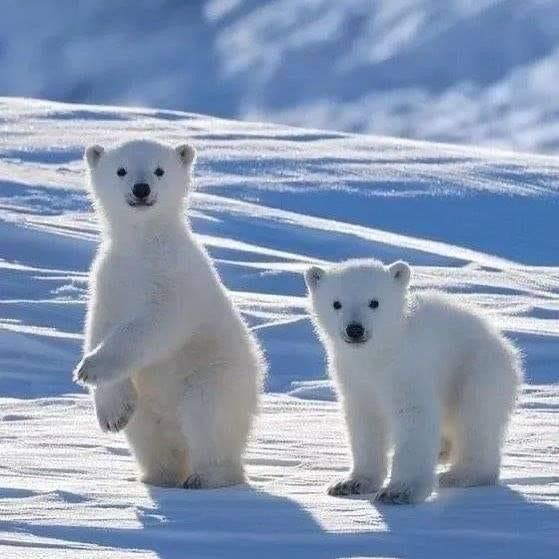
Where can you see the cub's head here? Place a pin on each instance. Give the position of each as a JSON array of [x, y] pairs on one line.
[[359, 303], [139, 179]]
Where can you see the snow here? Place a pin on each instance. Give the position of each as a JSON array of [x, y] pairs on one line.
[[466, 71], [477, 222], [67, 488]]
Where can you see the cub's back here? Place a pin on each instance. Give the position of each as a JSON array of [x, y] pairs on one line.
[[447, 330]]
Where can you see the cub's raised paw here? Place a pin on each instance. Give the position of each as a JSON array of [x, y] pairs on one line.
[[80, 375], [115, 404], [113, 421], [352, 486], [404, 494], [91, 370]]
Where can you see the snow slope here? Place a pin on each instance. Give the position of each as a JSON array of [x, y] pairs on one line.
[[270, 200], [472, 71]]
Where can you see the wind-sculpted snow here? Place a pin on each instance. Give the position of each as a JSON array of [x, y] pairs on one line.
[[466, 71], [269, 201]]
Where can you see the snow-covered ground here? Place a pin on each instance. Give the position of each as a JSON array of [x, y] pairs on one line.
[[470, 71], [270, 199]]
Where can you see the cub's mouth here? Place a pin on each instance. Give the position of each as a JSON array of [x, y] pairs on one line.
[[354, 341], [135, 202]]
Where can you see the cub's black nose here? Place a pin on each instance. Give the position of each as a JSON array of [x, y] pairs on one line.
[[355, 331], [141, 190]]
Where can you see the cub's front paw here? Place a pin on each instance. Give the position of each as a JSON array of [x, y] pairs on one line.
[[93, 369], [404, 493], [353, 486], [115, 404]]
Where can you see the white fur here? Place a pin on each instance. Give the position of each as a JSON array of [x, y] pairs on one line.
[[433, 377], [168, 354]]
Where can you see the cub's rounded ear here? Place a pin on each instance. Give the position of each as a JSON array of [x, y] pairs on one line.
[[186, 153], [93, 154], [313, 276], [400, 272]]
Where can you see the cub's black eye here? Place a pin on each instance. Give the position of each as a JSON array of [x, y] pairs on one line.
[[373, 304], [159, 172], [337, 305], [121, 172]]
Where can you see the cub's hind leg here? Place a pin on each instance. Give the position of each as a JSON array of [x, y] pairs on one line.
[[485, 405], [216, 417], [159, 447]]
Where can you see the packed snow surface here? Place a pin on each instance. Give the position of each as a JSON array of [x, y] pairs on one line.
[[270, 200]]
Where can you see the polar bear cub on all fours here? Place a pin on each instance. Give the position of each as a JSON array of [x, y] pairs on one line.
[[166, 352], [418, 372]]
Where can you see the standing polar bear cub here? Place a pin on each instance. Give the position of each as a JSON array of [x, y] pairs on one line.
[[418, 372], [167, 354]]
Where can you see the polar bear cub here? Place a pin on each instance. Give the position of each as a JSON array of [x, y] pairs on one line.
[[415, 371], [166, 354]]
